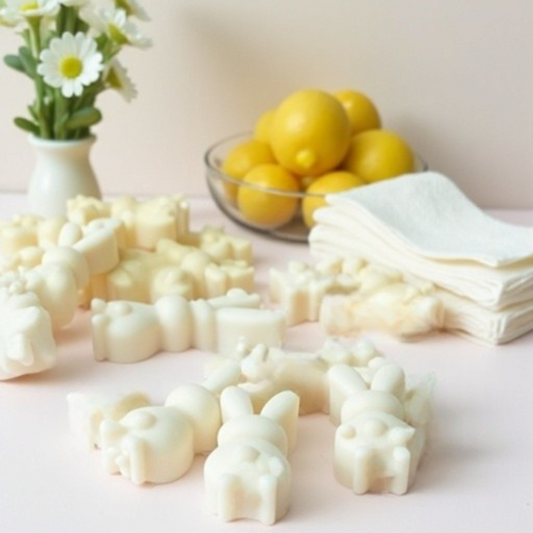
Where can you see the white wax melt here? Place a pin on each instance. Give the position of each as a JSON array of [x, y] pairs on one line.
[[128, 332], [248, 475], [349, 296]]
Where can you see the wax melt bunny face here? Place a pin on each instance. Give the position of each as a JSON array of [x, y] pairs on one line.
[[150, 444], [26, 342], [248, 475], [124, 331], [254, 475], [372, 453]]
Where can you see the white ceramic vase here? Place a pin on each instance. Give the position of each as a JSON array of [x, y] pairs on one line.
[[62, 171]]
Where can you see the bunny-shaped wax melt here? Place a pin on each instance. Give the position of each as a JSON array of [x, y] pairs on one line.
[[157, 444], [348, 296], [151, 444], [382, 431], [87, 411], [248, 475], [128, 332], [26, 342]]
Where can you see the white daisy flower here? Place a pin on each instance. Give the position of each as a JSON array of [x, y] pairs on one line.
[[6, 17], [71, 62], [132, 9], [18, 10], [117, 78], [115, 23]]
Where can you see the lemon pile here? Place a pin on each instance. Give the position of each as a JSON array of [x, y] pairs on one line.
[[313, 142]]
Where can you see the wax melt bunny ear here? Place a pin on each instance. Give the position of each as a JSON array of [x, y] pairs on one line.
[[225, 375], [283, 408], [389, 378], [72, 259], [343, 382], [235, 402], [200, 406]]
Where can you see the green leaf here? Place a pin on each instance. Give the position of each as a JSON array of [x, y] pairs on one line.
[[33, 113], [14, 62], [26, 125], [28, 61], [84, 118], [82, 26]]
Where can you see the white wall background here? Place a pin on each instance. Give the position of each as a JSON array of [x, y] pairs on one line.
[[455, 77]]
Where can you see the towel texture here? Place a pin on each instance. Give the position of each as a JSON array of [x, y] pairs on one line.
[[430, 216], [424, 226], [389, 225], [464, 317]]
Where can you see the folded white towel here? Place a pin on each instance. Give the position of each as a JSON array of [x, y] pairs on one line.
[[422, 225], [464, 317], [428, 214]]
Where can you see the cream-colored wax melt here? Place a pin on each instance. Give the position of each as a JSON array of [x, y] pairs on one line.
[[300, 290], [63, 272], [127, 332], [157, 444], [248, 474], [172, 268], [26, 342], [383, 302], [151, 444], [24, 231], [62, 263], [383, 429], [266, 370], [87, 411], [219, 245], [34, 303], [348, 382], [349, 296], [135, 250], [97, 243], [54, 286], [145, 223], [39, 300], [244, 415], [200, 404]]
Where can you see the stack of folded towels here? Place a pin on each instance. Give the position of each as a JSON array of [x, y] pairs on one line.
[[424, 226]]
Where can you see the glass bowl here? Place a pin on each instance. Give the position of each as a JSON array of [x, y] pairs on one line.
[[220, 183]]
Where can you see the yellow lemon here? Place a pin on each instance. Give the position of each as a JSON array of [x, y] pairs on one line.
[[377, 155], [263, 126], [305, 181], [328, 183], [310, 132], [241, 159], [361, 111], [263, 207]]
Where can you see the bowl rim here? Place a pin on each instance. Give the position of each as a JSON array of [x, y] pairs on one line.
[[211, 165], [222, 176]]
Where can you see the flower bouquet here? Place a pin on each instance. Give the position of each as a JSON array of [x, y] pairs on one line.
[[70, 53]]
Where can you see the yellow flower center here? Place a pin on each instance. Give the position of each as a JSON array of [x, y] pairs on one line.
[[70, 67], [29, 6], [113, 79], [117, 35]]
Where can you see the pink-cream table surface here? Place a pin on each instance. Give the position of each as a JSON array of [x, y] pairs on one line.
[[477, 474]]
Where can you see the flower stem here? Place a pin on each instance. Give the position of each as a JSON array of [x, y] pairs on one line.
[[60, 111], [71, 20], [34, 24]]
